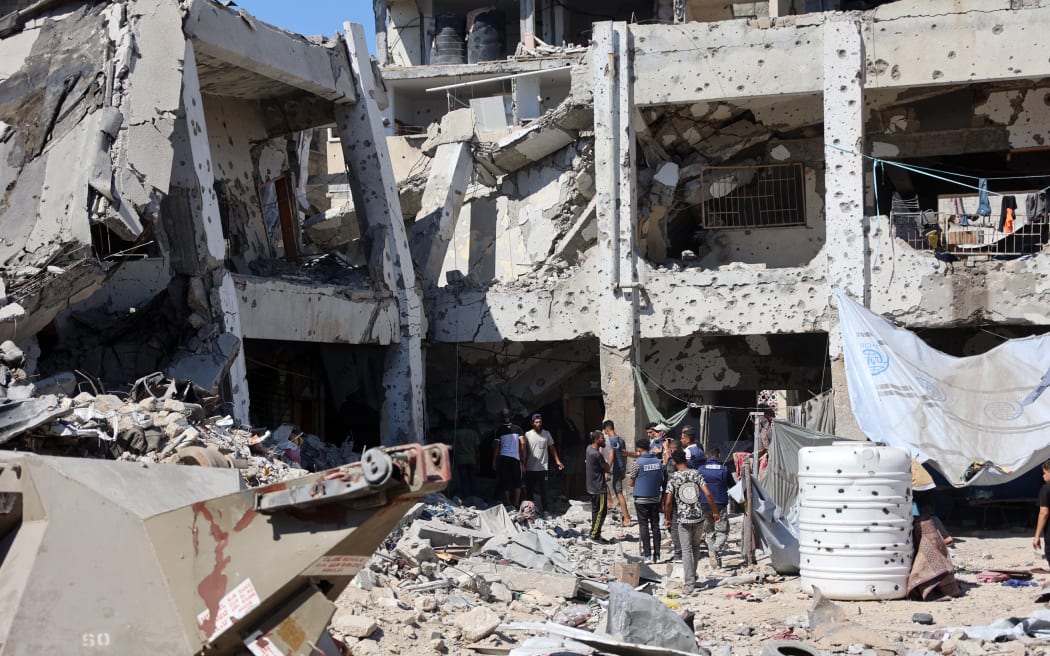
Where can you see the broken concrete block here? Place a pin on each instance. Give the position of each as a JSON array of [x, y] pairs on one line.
[[20, 391], [443, 534], [457, 125], [579, 512], [12, 312], [501, 592], [197, 297], [478, 624], [520, 579], [415, 549], [357, 626], [365, 579], [174, 426]]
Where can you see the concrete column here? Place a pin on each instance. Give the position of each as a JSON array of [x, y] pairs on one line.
[[528, 23], [429, 31], [376, 202], [405, 45], [382, 53], [547, 12], [615, 183], [559, 25], [210, 242], [778, 8], [844, 182], [442, 199]]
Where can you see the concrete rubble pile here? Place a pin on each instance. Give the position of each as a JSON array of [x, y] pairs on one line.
[[456, 579], [159, 420], [463, 580]]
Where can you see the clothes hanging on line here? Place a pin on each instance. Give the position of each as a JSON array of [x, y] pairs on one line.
[[984, 208], [1006, 217]]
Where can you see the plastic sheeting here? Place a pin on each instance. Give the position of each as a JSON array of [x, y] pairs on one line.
[[818, 413], [780, 477], [652, 413], [780, 538], [979, 420]]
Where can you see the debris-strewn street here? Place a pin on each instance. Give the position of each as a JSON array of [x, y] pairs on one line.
[[456, 580]]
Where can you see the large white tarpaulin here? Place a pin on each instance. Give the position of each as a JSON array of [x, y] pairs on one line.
[[949, 412]]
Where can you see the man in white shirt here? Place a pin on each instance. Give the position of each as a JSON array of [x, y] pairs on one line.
[[539, 448]]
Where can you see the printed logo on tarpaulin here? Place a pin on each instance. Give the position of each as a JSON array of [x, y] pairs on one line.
[[932, 389], [1003, 410], [877, 359]]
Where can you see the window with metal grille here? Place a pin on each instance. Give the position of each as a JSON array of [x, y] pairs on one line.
[[766, 196]]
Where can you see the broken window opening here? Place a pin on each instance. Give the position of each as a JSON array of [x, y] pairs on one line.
[[747, 197], [109, 247], [333, 391], [281, 215]]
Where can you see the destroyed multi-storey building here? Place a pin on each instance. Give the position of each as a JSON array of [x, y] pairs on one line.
[[557, 206], [156, 162], [653, 202]]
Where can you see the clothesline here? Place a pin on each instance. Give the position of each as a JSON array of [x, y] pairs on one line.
[[939, 174]]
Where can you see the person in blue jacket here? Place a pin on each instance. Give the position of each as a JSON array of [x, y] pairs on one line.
[[647, 478], [694, 453], [716, 532]]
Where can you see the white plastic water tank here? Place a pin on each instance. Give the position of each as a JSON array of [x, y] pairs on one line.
[[855, 520]]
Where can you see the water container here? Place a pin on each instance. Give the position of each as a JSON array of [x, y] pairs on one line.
[[855, 520], [450, 47], [487, 36]]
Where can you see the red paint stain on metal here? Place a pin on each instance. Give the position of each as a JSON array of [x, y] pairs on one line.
[[276, 487], [245, 521], [212, 587]]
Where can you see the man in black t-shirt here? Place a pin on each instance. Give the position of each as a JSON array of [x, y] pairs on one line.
[[1041, 525], [596, 467]]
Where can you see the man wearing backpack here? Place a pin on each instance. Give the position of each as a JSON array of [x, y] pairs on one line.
[[686, 491]]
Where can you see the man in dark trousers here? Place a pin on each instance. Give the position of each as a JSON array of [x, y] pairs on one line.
[[1042, 524], [539, 448], [508, 459], [716, 532], [647, 477], [596, 469]]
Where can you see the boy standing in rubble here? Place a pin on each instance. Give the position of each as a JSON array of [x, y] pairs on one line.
[[616, 456], [1042, 524], [686, 492]]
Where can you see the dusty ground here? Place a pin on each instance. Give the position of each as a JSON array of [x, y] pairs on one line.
[[433, 621]]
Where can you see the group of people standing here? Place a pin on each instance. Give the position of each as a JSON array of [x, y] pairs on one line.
[[672, 478], [523, 457]]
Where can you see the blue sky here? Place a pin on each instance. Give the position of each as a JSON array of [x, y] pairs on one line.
[[315, 16]]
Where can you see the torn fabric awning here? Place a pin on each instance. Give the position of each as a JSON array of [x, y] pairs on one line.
[[979, 420]]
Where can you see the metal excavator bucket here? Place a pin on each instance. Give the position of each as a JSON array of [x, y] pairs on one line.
[[101, 557]]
